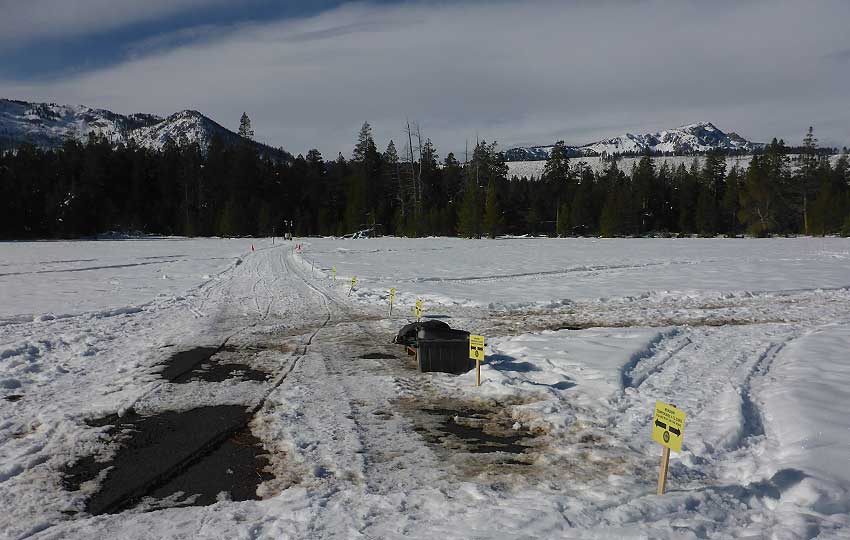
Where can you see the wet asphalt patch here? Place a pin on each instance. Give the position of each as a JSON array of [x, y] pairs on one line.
[[377, 356], [236, 467], [171, 449], [183, 362], [179, 458], [218, 372], [211, 364], [470, 427], [484, 432]]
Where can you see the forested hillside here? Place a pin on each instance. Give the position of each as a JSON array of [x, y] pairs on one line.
[[83, 189]]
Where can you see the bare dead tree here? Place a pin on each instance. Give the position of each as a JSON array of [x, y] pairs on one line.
[[414, 180], [419, 178]]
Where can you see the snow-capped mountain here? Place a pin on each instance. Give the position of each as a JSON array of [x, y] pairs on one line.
[[699, 137], [47, 125]]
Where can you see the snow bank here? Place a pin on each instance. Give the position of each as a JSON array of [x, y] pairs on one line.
[[806, 411]]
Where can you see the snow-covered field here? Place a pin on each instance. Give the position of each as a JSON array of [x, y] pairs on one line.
[[534, 169], [749, 337]]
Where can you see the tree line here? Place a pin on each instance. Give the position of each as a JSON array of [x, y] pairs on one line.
[[83, 189]]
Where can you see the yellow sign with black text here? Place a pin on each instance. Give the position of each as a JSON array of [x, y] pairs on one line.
[[668, 426], [476, 347]]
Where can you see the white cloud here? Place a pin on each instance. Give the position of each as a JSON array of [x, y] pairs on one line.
[[25, 21], [529, 72]]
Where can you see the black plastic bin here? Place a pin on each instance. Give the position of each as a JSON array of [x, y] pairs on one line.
[[409, 332], [444, 350]]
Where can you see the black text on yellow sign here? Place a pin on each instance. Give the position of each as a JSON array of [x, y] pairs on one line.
[[418, 309], [476, 348], [668, 426]]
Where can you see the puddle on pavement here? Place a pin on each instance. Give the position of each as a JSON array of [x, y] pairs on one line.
[[184, 361], [484, 432], [213, 364], [377, 356], [184, 458], [218, 372]]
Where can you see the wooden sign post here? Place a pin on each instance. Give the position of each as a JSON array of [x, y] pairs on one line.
[[392, 299], [668, 430], [662, 472], [476, 352], [353, 283]]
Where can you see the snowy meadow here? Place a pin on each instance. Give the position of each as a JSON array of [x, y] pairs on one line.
[[748, 336]]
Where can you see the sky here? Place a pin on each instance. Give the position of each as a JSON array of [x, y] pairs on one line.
[[309, 73]]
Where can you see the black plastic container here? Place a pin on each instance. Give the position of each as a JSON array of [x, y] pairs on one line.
[[409, 332], [444, 350]]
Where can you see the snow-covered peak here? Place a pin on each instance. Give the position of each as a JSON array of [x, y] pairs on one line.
[[686, 139], [48, 125]]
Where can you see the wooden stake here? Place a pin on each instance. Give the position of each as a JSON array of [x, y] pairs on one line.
[[478, 373], [662, 474]]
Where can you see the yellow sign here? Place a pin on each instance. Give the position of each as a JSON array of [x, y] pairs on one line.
[[353, 282], [392, 294], [418, 309], [333, 271], [668, 426], [476, 347]]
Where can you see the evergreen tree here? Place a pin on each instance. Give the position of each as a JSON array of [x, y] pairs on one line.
[[245, 129], [758, 199], [729, 205], [710, 192], [562, 222], [648, 198], [492, 212], [469, 216], [364, 144], [557, 166], [616, 218], [807, 181], [583, 217]]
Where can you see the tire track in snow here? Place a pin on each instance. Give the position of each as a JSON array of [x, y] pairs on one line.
[[753, 424], [656, 353]]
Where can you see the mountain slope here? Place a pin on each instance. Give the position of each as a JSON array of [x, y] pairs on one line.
[[47, 125], [687, 139]]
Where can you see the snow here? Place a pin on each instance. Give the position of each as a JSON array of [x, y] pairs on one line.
[[104, 275], [514, 273], [48, 125], [534, 169], [748, 336]]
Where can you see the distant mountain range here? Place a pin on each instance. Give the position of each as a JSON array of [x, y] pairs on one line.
[[47, 125], [688, 139]]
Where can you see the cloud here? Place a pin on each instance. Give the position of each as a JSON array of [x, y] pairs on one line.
[[30, 20], [530, 72]]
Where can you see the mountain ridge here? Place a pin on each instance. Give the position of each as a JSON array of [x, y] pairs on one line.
[[686, 139], [48, 125]]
